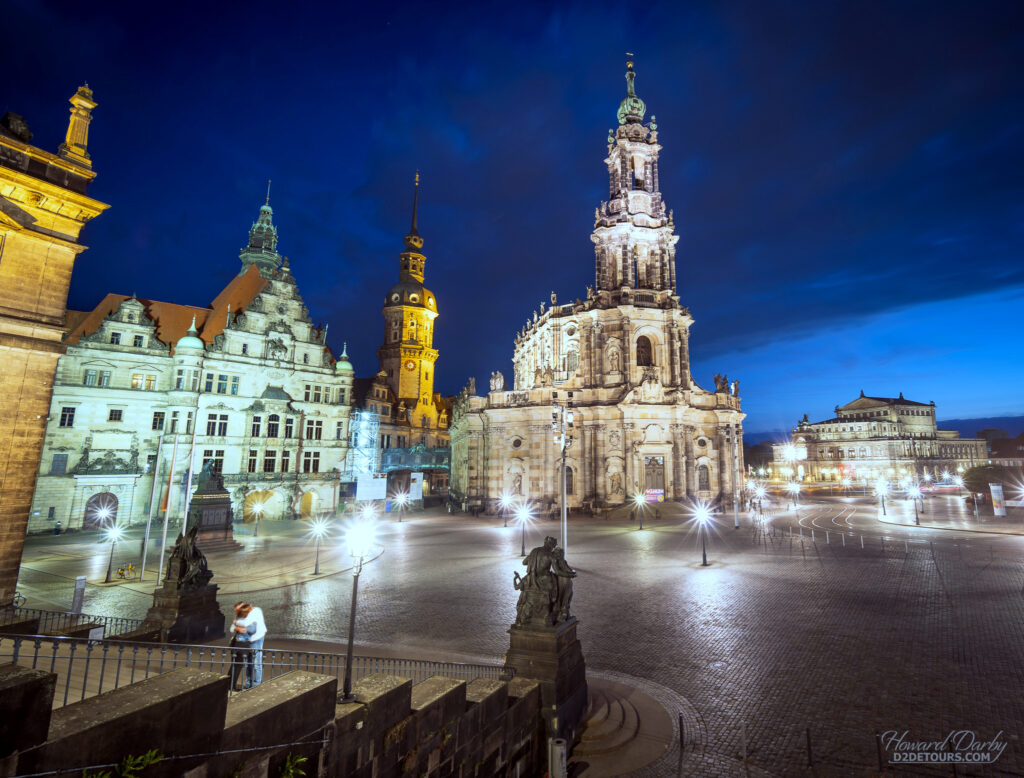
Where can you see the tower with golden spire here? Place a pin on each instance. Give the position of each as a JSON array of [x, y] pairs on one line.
[[407, 356]]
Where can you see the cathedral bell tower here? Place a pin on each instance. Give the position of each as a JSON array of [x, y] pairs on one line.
[[408, 356], [634, 237]]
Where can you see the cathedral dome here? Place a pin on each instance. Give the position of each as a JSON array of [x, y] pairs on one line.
[[411, 292]]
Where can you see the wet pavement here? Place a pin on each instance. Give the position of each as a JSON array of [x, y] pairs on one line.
[[870, 627]]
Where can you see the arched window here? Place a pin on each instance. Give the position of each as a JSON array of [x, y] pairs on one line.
[[703, 478], [273, 424], [570, 481], [644, 351]]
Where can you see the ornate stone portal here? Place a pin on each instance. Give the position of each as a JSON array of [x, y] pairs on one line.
[[543, 642], [186, 605]]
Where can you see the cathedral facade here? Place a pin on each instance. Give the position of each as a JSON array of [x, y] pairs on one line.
[[149, 391], [620, 358]]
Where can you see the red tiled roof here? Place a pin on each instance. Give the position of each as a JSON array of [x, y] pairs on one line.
[[172, 320]]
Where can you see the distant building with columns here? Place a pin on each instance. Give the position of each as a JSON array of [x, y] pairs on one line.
[[621, 359], [876, 437]]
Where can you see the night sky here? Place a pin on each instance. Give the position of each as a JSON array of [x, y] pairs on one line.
[[846, 177]]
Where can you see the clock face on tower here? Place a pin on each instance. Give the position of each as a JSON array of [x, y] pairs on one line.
[[410, 365]]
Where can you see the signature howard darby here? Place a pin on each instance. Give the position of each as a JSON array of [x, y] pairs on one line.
[[959, 746]]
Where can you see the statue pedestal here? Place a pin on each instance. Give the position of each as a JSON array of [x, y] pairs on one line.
[[187, 615], [553, 656]]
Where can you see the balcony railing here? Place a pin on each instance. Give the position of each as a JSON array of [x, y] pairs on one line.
[[85, 668], [57, 622]]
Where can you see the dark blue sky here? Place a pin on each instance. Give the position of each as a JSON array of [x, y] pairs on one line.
[[847, 178]]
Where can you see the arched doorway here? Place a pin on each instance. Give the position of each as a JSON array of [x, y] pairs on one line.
[[100, 511], [309, 504], [259, 505]]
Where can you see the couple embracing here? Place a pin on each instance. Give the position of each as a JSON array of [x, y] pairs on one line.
[[248, 631]]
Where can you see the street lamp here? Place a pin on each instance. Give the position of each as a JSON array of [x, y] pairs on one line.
[[638, 506], [759, 493], [318, 529], [794, 491], [257, 511], [401, 500], [847, 483], [915, 494], [359, 538], [503, 502], [881, 488], [114, 533], [702, 515], [523, 517]]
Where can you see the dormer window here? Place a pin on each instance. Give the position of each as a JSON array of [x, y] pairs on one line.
[[115, 338]]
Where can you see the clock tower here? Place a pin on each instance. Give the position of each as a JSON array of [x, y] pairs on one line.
[[408, 356]]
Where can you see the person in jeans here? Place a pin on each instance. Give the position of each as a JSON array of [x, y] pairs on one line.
[[241, 656], [255, 627]]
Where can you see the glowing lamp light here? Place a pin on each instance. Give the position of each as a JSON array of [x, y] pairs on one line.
[[368, 512], [847, 483], [505, 500], [927, 477], [104, 513], [702, 513], [401, 499], [523, 516], [318, 528], [638, 500], [114, 533], [958, 481], [793, 488], [914, 492], [760, 492], [881, 487], [359, 538], [789, 452], [945, 475]]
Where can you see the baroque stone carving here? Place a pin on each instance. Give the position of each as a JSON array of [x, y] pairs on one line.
[[545, 592]]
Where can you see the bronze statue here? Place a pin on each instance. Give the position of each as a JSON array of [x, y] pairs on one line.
[[545, 592], [187, 565]]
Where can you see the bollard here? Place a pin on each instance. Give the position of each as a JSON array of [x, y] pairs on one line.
[[791, 530], [844, 540], [862, 541], [905, 549], [827, 539], [801, 530], [812, 535], [803, 550]]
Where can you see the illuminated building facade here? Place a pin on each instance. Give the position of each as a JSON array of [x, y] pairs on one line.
[[413, 418], [246, 383], [876, 437], [621, 357], [43, 207]]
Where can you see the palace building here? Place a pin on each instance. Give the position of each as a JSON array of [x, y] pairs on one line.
[[147, 388], [410, 420], [876, 437], [43, 207], [620, 357]]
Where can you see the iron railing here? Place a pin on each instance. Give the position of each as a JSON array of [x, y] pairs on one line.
[[85, 668], [59, 622]]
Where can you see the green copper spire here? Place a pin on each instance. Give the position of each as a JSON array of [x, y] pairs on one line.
[[413, 241], [632, 108], [262, 248]]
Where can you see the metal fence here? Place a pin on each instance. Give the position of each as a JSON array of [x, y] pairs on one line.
[[85, 668], [58, 622]]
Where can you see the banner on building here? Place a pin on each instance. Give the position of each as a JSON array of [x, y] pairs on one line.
[[371, 486], [416, 486], [654, 495], [998, 501]]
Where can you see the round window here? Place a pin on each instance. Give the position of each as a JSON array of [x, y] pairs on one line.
[[517, 443], [394, 297], [570, 331], [702, 443], [414, 298], [430, 301]]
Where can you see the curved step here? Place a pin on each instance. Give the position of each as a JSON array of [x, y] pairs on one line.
[[614, 739], [597, 708]]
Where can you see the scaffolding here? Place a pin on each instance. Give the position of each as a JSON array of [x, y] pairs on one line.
[[363, 448]]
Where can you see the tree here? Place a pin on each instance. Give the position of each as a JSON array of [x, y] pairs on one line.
[[977, 479]]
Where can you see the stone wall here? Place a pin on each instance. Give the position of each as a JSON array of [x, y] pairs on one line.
[[438, 727]]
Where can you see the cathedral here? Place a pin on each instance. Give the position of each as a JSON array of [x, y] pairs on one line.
[[620, 358]]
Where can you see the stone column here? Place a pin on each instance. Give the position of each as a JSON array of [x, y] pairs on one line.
[[630, 486], [678, 465], [691, 461]]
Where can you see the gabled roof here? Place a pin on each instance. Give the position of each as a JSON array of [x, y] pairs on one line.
[[171, 320], [866, 401]]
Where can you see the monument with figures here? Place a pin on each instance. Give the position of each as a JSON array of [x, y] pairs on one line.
[[186, 605], [543, 642], [210, 511]]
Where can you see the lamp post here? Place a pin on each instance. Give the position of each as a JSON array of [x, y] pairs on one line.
[[503, 502], [794, 492], [915, 495], [318, 529], [759, 493], [523, 516], [881, 487], [401, 500], [639, 505], [702, 515], [113, 535], [562, 425], [359, 538]]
